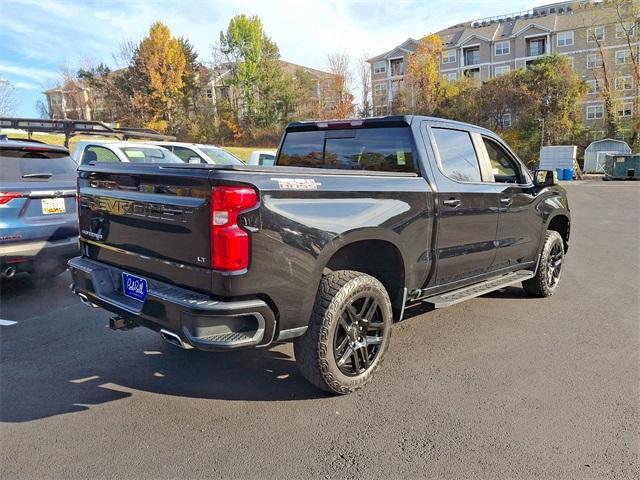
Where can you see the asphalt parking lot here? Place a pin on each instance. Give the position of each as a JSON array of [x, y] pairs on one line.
[[500, 386]]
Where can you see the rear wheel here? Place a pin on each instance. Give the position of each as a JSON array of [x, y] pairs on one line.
[[547, 277], [348, 332]]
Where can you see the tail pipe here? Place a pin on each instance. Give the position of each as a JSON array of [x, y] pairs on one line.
[[174, 339], [9, 272]]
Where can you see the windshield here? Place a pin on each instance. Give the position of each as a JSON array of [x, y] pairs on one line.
[[220, 157], [30, 166], [150, 155]]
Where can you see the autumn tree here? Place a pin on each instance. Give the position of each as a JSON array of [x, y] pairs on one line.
[[159, 66], [423, 80]]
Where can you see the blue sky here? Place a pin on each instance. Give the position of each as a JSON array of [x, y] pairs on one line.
[[38, 37]]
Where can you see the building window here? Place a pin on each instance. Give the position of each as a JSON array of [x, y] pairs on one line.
[[624, 29], [502, 70], [595, 112], [397, 67], [565, 39], [379, 89], [593, 85], [449, 56], [472, 73], [594, 61], [624, 83], [451, 76], [503, 48], [622, 57], [472, 56], [315, 88], [505, 120], [380, 67], [536, 47], [572, 62], [210, 92], [626, 109], [595, 34]]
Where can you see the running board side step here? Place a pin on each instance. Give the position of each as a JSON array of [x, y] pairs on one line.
[[466, 293]]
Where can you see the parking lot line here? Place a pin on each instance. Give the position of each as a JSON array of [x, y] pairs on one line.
[[6, 323]]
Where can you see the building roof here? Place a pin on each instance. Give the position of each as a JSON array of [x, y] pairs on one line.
[[552, 17]]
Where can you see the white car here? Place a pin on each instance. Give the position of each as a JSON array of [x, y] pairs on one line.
[[200, 153], [88, 152], [262, 157]]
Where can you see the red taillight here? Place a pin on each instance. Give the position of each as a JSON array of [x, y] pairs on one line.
[[229, 243], [6, 197]]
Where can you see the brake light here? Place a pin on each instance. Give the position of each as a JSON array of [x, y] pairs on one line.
[[229, 242], [6, 197]]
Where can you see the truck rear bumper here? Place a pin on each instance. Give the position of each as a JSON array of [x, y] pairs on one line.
[[198, 320]]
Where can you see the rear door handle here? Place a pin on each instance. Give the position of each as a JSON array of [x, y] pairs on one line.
[[505, 200], [452, 202]]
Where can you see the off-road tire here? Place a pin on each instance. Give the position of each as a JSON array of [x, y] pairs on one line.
[[539, 286], [314, 351]]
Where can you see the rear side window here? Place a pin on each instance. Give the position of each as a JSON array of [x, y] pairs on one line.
[[97, 154], [25, 166], [266, 159], [380, 149], [457, 156], [150, 155]]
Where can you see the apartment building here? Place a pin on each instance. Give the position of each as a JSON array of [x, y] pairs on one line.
[[322, 95], [490, 47]]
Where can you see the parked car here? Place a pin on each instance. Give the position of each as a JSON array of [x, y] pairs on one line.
[[199, 153], [262, 157], [90, 152], [357, 220], [38, 218]]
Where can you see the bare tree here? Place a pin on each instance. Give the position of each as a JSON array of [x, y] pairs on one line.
[[337, 99], [8, 99], [364, 76]]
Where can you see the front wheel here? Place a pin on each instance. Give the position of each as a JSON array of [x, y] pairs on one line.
[[348, 332], [547, 277]]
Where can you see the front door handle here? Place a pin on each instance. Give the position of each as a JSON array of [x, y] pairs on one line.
[[452, 202], [506, 200]]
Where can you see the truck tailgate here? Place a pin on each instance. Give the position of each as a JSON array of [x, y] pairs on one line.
[[142, 219]]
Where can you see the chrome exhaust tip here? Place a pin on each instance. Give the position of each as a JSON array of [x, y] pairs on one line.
[[174, 339], [9, 272], [84, 299]]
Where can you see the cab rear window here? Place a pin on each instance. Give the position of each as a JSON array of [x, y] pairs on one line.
[[24, 165], [379, 149]]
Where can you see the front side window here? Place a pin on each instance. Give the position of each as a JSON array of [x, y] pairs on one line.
[[221, 157], [150, 155], [381, 149], [458, 159], [97, 154], [503, 167]]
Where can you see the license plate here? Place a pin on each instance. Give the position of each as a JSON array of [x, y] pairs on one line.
[[134, 286], [53, 205]]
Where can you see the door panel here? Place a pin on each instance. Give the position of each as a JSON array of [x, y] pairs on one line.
[[511, 192], [467, 221]]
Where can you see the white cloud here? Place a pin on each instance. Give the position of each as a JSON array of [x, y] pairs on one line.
[[32, 73]]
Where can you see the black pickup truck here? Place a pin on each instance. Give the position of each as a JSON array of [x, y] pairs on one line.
[[357, 220]]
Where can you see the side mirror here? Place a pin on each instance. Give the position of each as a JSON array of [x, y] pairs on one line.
[[194, 160], [545, 178]]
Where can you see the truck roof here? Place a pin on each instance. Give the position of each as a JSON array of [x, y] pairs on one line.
[[375, 122]]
